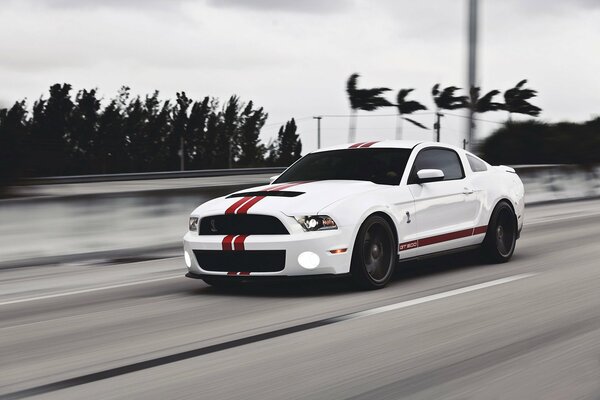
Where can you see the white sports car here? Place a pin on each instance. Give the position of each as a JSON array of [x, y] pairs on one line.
[[358, 209]]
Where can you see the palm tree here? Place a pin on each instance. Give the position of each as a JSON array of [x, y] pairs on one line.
[[362, 99], [515, 100], [482, 104], [446, 100], [406, 107], [485, 103]]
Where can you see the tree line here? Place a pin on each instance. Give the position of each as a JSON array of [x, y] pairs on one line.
[[535, 142], [66, 134], [516, 101]]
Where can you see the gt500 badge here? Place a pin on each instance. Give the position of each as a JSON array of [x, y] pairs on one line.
[[408, 245]]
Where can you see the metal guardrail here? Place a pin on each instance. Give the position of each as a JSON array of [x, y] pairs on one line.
[[203, 173], [206, 173]]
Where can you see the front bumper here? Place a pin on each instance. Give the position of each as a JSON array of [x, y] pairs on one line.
[[320, 243]]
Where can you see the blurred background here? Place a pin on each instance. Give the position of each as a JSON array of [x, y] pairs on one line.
[[118, 118]]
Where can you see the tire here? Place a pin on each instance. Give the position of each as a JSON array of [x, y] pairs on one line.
[[374, 254], [501, 237]]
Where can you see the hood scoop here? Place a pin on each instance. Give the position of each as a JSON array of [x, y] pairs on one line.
[[266, 193]]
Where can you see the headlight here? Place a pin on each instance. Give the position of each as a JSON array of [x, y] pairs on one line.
[[193, 225], [316, 222]]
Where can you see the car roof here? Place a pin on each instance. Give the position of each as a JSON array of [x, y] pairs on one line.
[[399, 144]]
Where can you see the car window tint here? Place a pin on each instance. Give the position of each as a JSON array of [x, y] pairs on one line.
[[383, 166], [446, 160], [476, 164]]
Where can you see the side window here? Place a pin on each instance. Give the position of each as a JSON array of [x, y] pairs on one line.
[[444, 159], [476, 164]]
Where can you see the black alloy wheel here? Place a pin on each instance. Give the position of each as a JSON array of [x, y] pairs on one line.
[[500, 240], [374, 255]]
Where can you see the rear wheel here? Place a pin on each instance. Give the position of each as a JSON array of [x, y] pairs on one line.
[[374, 254], [501, 237]]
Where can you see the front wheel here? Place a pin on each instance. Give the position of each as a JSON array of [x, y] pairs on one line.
[[374, 254], [501, 237]]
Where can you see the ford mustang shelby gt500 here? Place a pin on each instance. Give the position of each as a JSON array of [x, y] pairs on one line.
[[358, 209]]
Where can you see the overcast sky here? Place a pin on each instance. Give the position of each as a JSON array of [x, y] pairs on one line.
[[294, 56]]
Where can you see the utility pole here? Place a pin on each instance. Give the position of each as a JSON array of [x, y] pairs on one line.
[[472, 62], [437, 126], [181, 154], [318, 118]]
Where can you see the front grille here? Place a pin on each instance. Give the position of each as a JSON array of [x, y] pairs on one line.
[[241, 224], [241, 261]]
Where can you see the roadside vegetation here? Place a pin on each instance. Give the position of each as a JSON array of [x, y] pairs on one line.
[[79, 133]]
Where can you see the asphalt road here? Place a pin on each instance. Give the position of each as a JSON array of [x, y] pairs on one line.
[[446, 328]]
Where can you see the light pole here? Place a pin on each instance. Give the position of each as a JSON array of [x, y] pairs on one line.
[[472, 63], [318, 118]]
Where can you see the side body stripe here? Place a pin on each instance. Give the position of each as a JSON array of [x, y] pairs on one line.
[[442, 238]]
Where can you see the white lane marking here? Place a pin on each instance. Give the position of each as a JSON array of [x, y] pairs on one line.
[[550, 219], [51, 296], [437, 296]]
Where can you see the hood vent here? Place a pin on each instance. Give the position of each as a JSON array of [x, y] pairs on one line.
[[266, 193]]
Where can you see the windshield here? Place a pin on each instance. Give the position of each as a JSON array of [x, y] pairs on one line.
[[382, 166]]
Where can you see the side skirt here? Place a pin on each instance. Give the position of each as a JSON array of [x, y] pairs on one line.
[[441, 253]]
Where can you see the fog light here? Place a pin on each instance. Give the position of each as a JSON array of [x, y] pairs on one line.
[[188, 260], [309, 260]]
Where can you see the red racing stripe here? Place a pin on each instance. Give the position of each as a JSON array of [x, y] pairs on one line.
[[232, 273], [237, 204], [368, 144], [226, 243], [244, 273], [355, 145], [244, 208], [238, 242]]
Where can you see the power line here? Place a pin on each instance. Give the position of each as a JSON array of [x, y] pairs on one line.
[[474, 119], [371, 116]]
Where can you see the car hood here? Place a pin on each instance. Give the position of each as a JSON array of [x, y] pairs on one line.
[[294, 198]]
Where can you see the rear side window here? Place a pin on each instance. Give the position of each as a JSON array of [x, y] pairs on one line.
[[476, 164], [444, 159]]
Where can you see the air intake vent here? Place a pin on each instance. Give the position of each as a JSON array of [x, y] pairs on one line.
[[242, 224], [265, 193], [241, 261]]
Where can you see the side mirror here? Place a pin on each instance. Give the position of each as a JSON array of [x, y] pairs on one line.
[[272, 179], [430, 175]]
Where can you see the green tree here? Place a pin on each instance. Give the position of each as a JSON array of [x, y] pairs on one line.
[[516, 100], [13, 135], [362, 99], [51, 133], [251, 151], [288, 147], [406, 107], [534, 142], [197, 129], [226, 146], [178, 156], [445, 99], [111, 151], [83, 124]]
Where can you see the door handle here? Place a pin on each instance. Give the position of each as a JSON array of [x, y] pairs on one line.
[[467, 191]]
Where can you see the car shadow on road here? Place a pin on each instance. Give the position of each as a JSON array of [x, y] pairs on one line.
[[405, 271]]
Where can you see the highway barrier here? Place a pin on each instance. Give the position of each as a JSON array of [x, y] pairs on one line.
[[73, 218]]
